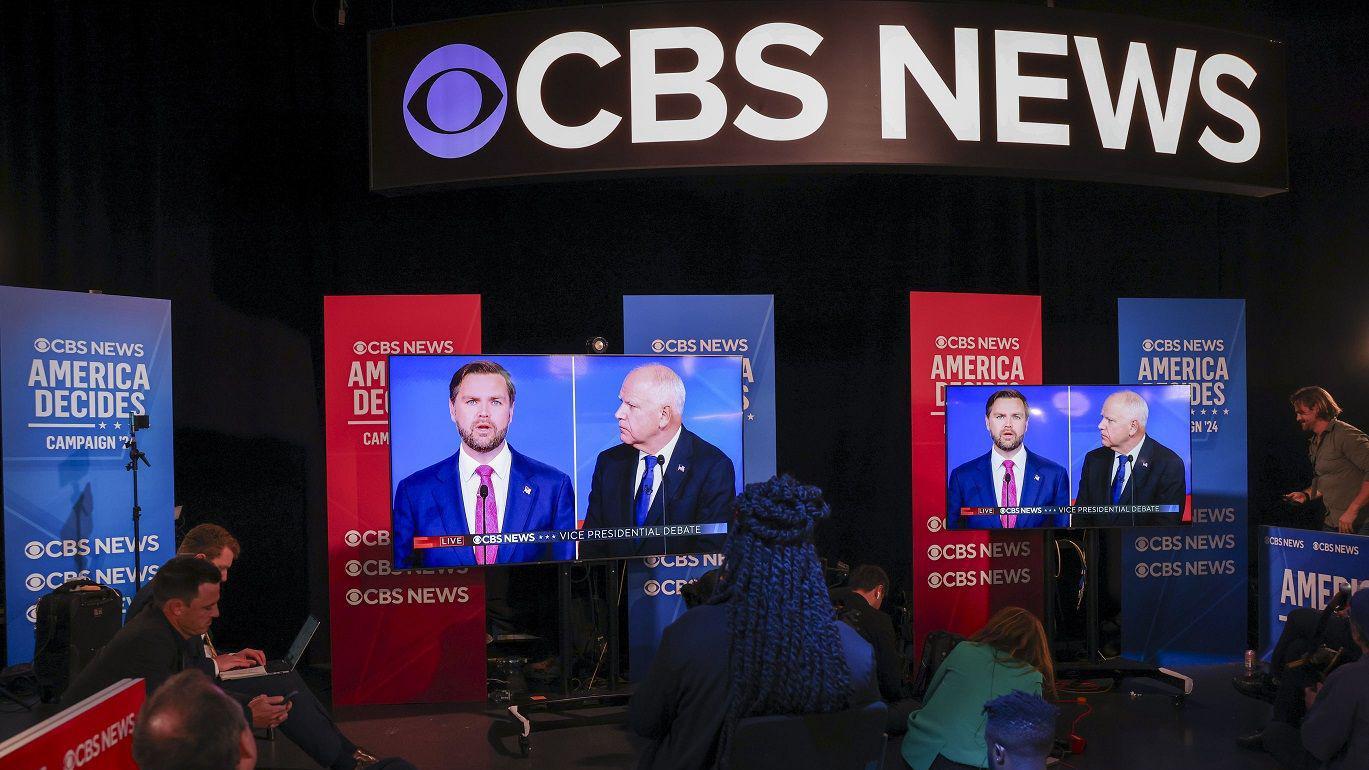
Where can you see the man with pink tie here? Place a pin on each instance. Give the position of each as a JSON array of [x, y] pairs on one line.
[[486, 487], [1008, 475]]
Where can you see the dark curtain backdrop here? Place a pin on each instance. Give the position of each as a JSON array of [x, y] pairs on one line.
[[215, 154]]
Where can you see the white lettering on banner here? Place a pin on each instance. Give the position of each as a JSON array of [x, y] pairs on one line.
[[971, 578], [88, 347], [86, 389], [1314, 589], [1214, 515], [668, 587], [73, 443], [395, 596], [355, 538], [1206, 375], [993, 550], [383, 568], [368, 380], [689, 560], [92, 747], [112, 576], [1195, 568], [86, 546], [1189, 542]]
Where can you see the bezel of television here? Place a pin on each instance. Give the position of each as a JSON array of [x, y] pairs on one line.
[[1063, 475], [564, 443]]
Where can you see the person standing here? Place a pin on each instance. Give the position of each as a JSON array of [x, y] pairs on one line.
[[1339, 453]]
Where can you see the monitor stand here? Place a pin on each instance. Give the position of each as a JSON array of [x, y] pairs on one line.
[[1095, 666]]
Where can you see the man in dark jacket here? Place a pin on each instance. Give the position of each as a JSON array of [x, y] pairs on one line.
[[166, 638], [1335, 733], [859, 605]]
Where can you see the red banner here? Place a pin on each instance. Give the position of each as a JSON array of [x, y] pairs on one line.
[[416, 636], [95, 734], [960, 578]]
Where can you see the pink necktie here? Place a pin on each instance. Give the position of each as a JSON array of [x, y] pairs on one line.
[[1009, 494], [486, 517]]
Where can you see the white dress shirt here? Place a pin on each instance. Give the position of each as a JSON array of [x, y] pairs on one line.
[[470, 486], [1131, 466], [1019, 467], [659, 473]]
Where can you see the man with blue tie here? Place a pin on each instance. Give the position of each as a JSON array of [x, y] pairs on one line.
[[1008, 475], [1130, 468], [661, 474], [486, 487]]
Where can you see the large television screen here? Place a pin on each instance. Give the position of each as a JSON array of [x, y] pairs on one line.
[[518, 459], [1061, 456]]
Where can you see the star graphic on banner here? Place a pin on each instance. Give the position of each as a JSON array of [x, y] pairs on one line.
[[102, 425], [118, 425], [1226, 411]]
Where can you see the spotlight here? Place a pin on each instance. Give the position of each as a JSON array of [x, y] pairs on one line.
[[596, 345]]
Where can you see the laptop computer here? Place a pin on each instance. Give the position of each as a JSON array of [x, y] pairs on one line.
[[285, 665]]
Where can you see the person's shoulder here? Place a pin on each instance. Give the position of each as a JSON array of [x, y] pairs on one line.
[[619, 452], [1099, 451], [533, 467], [429, 475], [1044, 464], [971, 465], [1349, 431], [1354, 675], [1160, 451], [702, 449], [700, 623], [852, 642]]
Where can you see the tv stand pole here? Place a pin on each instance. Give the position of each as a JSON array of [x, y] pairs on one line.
[[611, 697], [1116, 669]]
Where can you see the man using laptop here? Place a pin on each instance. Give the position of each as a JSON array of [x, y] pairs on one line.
[[308, 725]]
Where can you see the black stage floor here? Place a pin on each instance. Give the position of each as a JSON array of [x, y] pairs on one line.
[[1123, 732]]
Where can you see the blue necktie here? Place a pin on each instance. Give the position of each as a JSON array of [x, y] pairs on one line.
[[1119, 480], [643, 502]]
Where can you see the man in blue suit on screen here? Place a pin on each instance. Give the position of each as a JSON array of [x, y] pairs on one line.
[[1008, 475], [486, 487], [632, 487]]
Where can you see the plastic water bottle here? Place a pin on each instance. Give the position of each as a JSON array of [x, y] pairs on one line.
[[1249, 663]]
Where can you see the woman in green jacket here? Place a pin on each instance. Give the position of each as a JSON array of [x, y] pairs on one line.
[[1009, 653]]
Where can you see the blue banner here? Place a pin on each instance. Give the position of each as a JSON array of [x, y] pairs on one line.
[[700, 325], [74, 369], [1184, 588], [1305, 568]]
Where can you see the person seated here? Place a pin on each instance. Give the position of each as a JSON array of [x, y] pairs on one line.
[[1300, 636], [169, 635], [189, 724], [766, 643], [1334, 734], [1020, 731], [1290, 671], [1009, 653], [859, 603]]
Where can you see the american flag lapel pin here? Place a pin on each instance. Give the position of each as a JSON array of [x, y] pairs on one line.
[[1037, 477], [680, 468], [527, 490], [1145, 463]]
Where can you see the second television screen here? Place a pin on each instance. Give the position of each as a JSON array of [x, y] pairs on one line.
[[1046, 456], [516, 459]]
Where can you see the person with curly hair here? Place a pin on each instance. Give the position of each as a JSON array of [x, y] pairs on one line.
[[1009, 653], [767, 643]]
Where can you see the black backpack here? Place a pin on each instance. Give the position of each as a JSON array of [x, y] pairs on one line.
[[935, 648], [74, 623]]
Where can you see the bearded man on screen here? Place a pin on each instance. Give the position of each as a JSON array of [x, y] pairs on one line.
[[486, 487], [1008, 475]]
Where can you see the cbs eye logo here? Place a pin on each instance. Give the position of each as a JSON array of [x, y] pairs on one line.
[[455, 101]]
